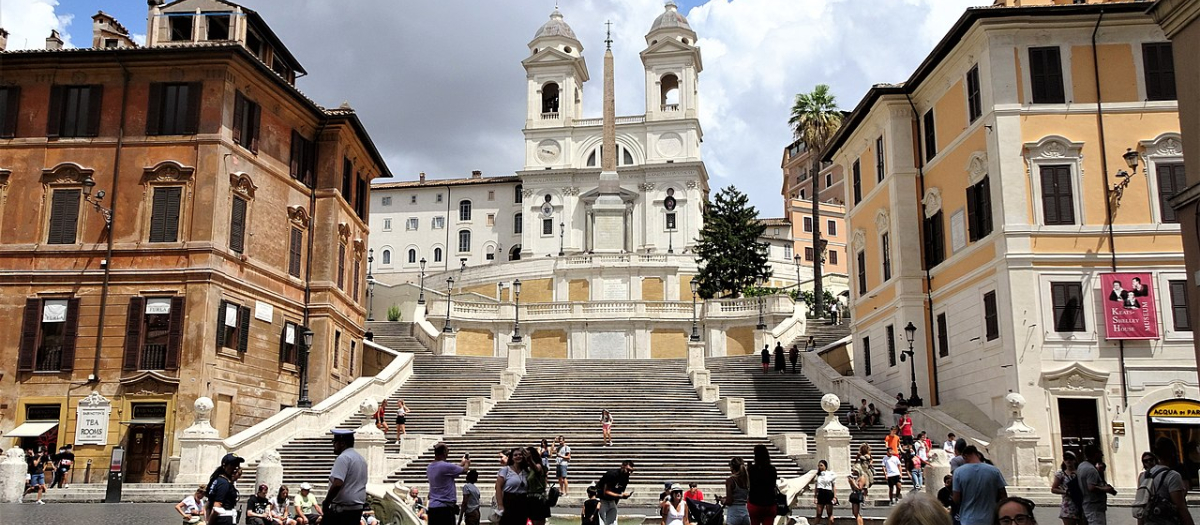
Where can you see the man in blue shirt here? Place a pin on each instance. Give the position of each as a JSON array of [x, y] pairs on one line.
[[443, 497], [978, 487]]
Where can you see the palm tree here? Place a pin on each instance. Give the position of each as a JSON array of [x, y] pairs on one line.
[[815, 118]]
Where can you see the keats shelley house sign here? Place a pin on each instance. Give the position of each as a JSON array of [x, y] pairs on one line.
[[1129, 306]]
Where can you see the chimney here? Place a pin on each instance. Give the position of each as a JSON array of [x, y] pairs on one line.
[[3, 39], [422, 177], [54, 41], [476, 174]]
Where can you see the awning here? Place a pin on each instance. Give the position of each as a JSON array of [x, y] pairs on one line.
[[1176, 420], [146, 421], [31, 429]]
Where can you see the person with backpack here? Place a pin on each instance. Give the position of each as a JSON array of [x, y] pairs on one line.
[[1160, 495], [1095, 490], [1066, 482]]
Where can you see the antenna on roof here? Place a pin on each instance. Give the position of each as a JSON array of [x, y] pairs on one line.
[[608, 38]]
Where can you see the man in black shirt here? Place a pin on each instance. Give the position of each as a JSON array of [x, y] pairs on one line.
[[62, 465], [222, 495], [37, 472], [258, 507], [946, 497], [612, 490]]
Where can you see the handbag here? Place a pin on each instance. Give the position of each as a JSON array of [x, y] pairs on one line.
[[781, 503]]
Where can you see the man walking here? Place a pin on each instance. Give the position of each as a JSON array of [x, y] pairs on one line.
[[564, 461], [794, 357], [62, 466], [978, 488], [343, 504], [612, 490], [1168, 485], [443, 495], [1095, 489]]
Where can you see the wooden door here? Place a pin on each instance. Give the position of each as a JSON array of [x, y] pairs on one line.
[[1079, 423], [143, 457]]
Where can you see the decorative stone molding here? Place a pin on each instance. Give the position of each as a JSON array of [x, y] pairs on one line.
[[570, 191], [526, 193], [693, 184], [1165, 145], [858, 240], [66, 173], [360, 246], [882, 220], [977, 167], [298, 216], [1053, 147], [167, 171], [241, 184], [1178, 389], [344, 232], [646, 186], [1076, 379], [932, 201], [4, 175]]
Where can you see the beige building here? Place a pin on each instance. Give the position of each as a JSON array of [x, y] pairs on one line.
[[1000, 204]]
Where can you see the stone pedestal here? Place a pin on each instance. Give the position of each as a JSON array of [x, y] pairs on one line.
[[12, 475], [200, 447], [510, 379], [709, 393], [753, 426], [608, 215], [1014, 450], [501, 393], [369, 442], [695, 356], [833, 441], [700, 378], [792, 443], [516, 357], [415, 444], [269, 472], [478, 406], [732, 407], [447, 344], [936, 468]]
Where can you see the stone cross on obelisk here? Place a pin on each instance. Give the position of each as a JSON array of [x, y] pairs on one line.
[[609, 209]]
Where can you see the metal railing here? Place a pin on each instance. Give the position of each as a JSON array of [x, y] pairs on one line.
[[49, 359], [154, 357]]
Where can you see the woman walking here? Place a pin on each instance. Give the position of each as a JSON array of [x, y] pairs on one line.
[[511, 487], [1068, 511], [766, 358], [858, 493], [606, 423], [535, 489], [675, 510], [863, 464], [737, 490], [402, 412], [763, 484], [780, 364], [825, 494]]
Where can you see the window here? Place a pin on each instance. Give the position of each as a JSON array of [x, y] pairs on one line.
[[1058, 200], [857, 171], [880, 167], [48, 333], [437, 255], [247, 115], [303, 163], [174, 108], [1170, 182], [439, 222], [808, 253], [387, 257], [489, 253], [10, 97], [943, 335], [181, 27], [974, 102], [1068, 306], [518, 198], [1159, 64], [218, 27], [411, 223], [153, 333], [74, 111], [547, 226], [386, 201], [828, 180], [337, 349], [233, 322], [626, 157], [930, 136], [808, 224], [295, 252], [991, 317], [354, 280], [979, 209], [670, 221], [831, 227], [491, 219], [387, 225], [237, 225], [437, 198], [412, 256], [412, 199], [491, 195], [361, 199], [787, 251], [289, 343], [464, 241], [341, 266], [1179, 306], [833, 257], [347, 178], [803, 195], [64, 216], [862, 272], [464, 210], [1045, 75], [886, 254], [935, 241], [164, 214], [517, 223], [867, 355], [891, 345]]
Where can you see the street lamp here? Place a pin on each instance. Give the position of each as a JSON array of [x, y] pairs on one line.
[[516, 286], [449, 302], [370, 285], [421, 298], [462, 268], [910, 333], [762, 323], [695, 330], [1117, 191], [562, 226], [306, 341], [88, 184], [797, 258]]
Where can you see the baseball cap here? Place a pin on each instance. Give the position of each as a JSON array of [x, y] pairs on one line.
[[232, 459], [306, 486]]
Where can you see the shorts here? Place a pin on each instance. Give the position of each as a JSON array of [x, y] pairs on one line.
[[824, 497], [37, 479], [893, 481], [906, 440], [562, 470], [537, 507], [400, 420]]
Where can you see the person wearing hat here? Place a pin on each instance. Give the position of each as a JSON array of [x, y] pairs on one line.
[[347, 482], [308, 512], [674, 510], [222, 494]]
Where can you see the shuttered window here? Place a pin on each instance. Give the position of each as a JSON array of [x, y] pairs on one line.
[[991, 316], [943, 335], [237, 225], [974, 99], [247, 117], [64, 216], [289, 343], [862, 272], [164, 214], [1058, 197], [347, 179], [867, 355], [233, 326], [74, 111], [1067, 298], [303, 159], [857, 172], [10, 98], [930, 125], [174, 108], [1171, 180], [153, 338], [295, 252], [1159, 63], [354, 282], [1045, 75], [1180, 309], [360, 196], [979, 209], [464, 210], [885, 243], [891, 345], [880, 166], [341, 267], [935, 240], [49, 329]]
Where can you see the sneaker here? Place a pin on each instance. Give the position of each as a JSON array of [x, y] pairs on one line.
[[40, 502]]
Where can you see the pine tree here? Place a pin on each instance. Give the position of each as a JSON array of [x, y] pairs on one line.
[[729, 252]]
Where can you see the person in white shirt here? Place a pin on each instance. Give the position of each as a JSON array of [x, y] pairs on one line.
[[891, 469], [192, 507], [825, 495], [948, 446]]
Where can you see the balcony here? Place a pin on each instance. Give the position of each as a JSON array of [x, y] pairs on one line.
[[550, 116], [670, 108], [154, 357]]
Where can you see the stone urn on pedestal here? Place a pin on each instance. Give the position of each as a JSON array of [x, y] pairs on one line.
[[833, 441], [1015, 447], [369, 441], [200, 447]]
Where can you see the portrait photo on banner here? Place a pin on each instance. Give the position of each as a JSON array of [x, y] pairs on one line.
[[1129, 306]]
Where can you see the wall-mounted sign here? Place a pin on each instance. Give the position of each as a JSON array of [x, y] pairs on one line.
[[54, 311], [264, 311], [158, 306], [1176, 409], [1128, 307], [91, 420]]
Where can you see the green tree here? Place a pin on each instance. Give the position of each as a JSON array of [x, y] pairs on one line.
[[815, 119], [730, 255]]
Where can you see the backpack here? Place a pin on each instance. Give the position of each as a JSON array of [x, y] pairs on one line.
[[1150, 503]]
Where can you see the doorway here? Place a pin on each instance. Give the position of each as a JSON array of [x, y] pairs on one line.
[[1079, 423], [143, 455]]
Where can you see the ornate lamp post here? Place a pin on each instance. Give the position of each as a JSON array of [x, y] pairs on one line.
[[910, 333], [421, 299], [695, 330], [462, 268], [1118, 190], [762, 322], [370, 285], [562, 226], [88, 184], [306, 340], [797, 258], [516, 286], [449, 303], [669, 205]]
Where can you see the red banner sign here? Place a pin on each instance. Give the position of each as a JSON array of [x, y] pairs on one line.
[[1129, 306]]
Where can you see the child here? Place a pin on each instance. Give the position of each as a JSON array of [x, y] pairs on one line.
[[470, 501], [946, 497], [591, 509]]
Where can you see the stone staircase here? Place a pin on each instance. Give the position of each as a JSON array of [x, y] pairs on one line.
[[397, 336], [823, 333]]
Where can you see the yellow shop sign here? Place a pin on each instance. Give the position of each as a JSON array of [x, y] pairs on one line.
[[1179, 408]]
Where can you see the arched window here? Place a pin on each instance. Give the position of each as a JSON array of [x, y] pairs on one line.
[[669, 91], [626, 157], [387, 257], [437, 255], [517, 194], [464, 240], [412, 256], [464, 210], [594, 157], [518, 223], [514, 254], [550, 98]]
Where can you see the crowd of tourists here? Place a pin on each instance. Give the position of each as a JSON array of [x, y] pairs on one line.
[[38, 462]]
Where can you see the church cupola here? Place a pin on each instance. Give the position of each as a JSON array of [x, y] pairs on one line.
[[672, 63], [556, 72]]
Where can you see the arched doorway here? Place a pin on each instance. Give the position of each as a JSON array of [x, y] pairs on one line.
[[514, 254], [1174, 430]]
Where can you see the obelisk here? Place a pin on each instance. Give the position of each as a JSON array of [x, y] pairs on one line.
[[609, 209]]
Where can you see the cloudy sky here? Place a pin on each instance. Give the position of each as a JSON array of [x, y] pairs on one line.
[[440, 86]]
